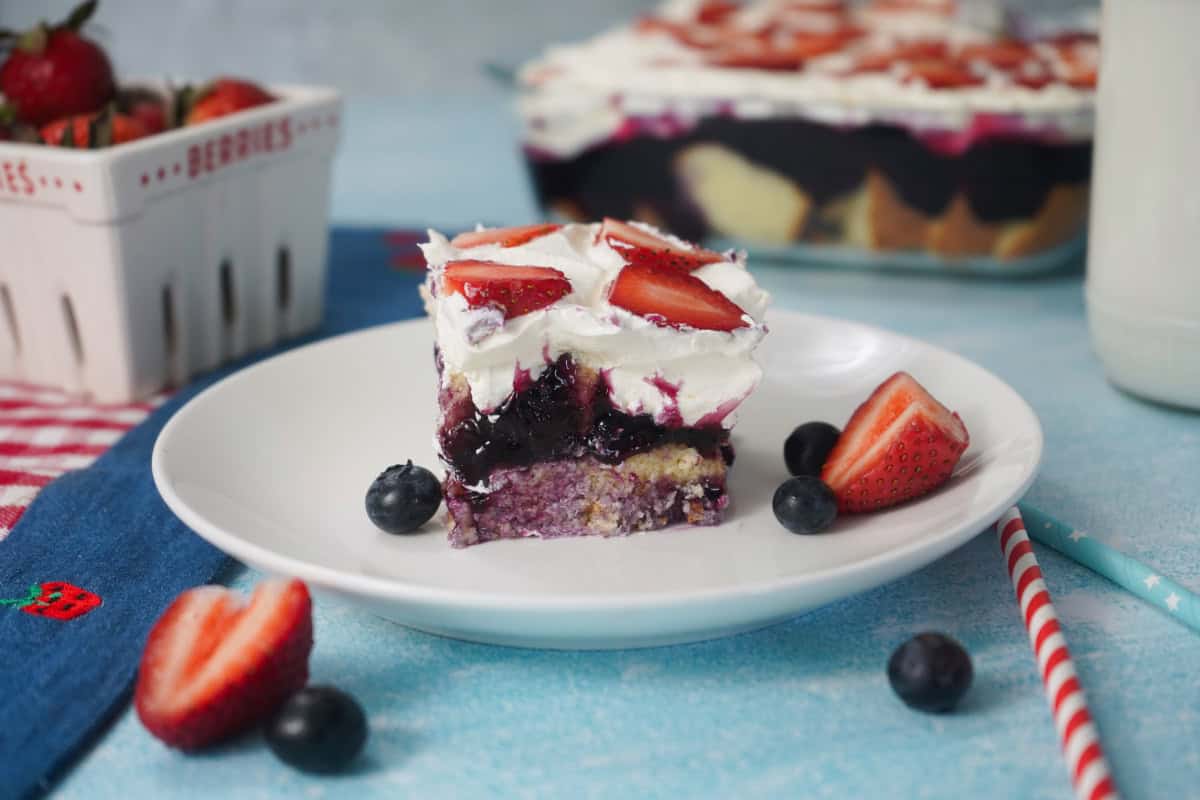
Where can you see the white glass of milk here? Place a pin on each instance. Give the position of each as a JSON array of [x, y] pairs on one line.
[[1143, 283]]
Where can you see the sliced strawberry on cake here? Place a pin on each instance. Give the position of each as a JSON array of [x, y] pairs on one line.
[[504, 237], [941, 73], [899, 445], [640, 247], [677, 299], [513, 289], [215, 663]]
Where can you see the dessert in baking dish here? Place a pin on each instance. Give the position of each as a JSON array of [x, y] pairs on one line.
[[894, 126], [589, 375]]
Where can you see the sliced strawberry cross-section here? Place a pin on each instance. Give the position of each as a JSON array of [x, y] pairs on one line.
[[942, 73], [639, 247], [713, 12], [515, 290], [505, 237], [1002, 54], [915, 49], [900, 444], [673, 298], [214, 664]]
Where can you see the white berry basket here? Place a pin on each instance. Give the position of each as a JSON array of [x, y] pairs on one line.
[[131, 268]]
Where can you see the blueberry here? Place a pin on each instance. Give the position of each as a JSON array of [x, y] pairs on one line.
[[804, 505], [320, 729], [930, 672], [403, 498], [808, 446]]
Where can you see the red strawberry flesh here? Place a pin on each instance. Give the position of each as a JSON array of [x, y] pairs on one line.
[[124, 129], [899, 444], [67, 75], [516, 290], [674, 298], [505, 237], [943, 73], [215, 665], [640, 247], [227, 96], [1006, 54]]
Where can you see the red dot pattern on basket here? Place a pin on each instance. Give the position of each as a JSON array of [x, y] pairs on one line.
[[230, 148], [17, 180], [202, 158]]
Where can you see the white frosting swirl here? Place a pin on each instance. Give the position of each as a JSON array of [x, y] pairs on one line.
[[679, 375]]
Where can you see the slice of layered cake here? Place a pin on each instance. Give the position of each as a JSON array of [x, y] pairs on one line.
[[588, 378]]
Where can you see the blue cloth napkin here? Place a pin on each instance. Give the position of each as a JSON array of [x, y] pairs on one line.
[[104, 532]]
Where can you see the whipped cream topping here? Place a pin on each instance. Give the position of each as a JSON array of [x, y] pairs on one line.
[[679, 375], [577, 95]]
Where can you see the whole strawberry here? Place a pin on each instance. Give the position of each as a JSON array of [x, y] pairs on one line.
[[225, 96], [52, 72]]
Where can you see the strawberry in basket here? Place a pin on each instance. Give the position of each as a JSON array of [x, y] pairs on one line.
[[222, 97], [91, 131], [52, 71]]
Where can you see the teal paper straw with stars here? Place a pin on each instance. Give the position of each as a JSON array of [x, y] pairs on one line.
[[1125, 571]]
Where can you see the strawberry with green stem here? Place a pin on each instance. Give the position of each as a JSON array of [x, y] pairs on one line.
[[51, 71], [55, 600]]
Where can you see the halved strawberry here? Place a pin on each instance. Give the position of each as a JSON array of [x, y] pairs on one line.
[[505, 237], [637, 246], [943, 7], [514, 290], [918, 49], [712, 12], [790, 53], [223, 97], [1033, 78], [102, 129], [942, 73], [1081, 76], [674, 298], [900, 444], [690, 34], [1002, 54], [215, 664]]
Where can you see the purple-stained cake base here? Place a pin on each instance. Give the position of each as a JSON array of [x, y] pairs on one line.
[[579, 497]]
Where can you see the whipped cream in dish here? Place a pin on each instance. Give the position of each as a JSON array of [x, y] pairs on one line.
[[578, 95], [679, 375]]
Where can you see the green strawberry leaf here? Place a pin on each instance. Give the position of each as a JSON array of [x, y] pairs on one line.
[[100, 129], [182, 100], [80, 15]]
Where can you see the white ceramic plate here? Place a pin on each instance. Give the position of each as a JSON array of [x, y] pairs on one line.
[[271, 465]]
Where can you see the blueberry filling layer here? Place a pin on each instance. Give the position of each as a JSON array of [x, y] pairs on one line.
[[1004, 178], [564, 413]]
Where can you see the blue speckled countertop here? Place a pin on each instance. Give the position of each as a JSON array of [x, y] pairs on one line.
[[802, 709]]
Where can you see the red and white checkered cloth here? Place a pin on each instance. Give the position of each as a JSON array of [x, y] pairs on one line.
[[44, 433]]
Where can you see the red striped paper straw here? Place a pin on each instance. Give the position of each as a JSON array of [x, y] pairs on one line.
[[1076, 731]]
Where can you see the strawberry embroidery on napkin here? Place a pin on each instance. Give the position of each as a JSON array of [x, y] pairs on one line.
[[55, 600]]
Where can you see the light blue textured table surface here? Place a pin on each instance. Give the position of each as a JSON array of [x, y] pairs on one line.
[[802, 709]]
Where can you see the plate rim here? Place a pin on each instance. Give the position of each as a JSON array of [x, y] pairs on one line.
[[391, 589]]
